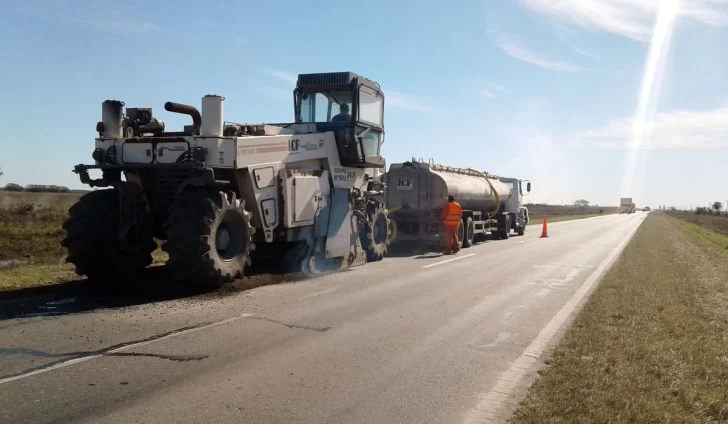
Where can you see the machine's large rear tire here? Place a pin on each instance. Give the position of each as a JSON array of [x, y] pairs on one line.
[[377, 236], [208, 238], [91, 238]]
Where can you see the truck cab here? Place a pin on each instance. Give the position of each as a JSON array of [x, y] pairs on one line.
[[514, 206]]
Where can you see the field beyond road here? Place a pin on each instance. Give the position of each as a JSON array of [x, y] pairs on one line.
[[651, 344]]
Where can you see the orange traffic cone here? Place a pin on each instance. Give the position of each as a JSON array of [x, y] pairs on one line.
[[544, 231]]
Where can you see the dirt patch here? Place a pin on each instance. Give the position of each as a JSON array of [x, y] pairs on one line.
[[254, 281]]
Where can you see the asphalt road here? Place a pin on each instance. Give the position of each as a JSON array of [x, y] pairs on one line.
[[427, 339]]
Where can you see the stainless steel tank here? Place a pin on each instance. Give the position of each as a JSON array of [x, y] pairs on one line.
[[425, 186]]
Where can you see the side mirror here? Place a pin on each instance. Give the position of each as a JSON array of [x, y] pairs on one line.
[[528, 187]]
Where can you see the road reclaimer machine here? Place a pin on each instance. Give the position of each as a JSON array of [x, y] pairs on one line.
[[221, 194], [417, 192]]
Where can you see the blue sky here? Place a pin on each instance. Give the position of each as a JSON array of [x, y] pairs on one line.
[[546, 90]]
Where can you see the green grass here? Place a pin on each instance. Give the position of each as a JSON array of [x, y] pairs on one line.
[[35, 275], [717, 223], [651, 344], [31, 233], [58, 200]]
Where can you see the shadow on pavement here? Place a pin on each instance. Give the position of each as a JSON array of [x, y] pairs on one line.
[[149, 286]]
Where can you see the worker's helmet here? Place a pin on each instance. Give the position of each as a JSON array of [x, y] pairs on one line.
[[450, 198]]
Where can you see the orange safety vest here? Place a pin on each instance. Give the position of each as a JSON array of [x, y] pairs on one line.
[[451, 214]]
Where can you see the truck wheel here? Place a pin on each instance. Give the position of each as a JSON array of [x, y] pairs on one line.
[[469, 229], [91, 238], [506, 232], [208, 238], [521, 230], [461, 234], [376, 237]]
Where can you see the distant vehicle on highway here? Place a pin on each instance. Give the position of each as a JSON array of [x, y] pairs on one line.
[[626, 205], [646, 209]]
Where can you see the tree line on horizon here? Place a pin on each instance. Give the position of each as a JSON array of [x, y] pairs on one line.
[[36, 188]]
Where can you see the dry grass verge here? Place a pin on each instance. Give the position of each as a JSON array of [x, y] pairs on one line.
[[717, 223], [538, 219], [651, 344]]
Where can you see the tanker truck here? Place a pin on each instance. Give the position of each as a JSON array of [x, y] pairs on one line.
[[417, 192]]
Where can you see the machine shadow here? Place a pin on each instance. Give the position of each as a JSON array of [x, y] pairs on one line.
[[148, 286]]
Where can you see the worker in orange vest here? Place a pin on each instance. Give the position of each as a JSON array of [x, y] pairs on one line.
[[451, 215]]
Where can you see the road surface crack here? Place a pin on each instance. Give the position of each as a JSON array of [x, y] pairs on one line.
[[177, 358], [304, 327]]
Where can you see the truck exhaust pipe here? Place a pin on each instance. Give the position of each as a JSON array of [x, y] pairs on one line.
[[185, 110]]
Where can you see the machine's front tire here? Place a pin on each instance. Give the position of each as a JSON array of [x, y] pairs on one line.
[[208, 238], [91, 238], [377, 236]]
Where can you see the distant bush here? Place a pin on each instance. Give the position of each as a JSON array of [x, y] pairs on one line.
[[13, 187], [46, 189]]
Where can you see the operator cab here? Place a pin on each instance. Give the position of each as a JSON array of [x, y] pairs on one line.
[[350, 106]]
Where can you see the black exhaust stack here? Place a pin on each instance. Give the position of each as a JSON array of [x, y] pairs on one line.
[[185, 110]]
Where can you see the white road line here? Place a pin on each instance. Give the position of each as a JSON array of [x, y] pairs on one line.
[[120, 349], [501, 393], [457, 258]]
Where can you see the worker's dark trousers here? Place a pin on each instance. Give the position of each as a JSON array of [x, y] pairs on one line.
[[451, 240]]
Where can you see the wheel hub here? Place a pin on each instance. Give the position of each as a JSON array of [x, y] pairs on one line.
[[223, 239], [380, 230]]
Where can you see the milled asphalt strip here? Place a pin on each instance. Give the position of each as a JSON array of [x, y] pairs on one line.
[[119, 349], [498, 396]]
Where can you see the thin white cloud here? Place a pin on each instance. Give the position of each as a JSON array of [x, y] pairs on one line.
[[633, 19], [493, 90], [283, 76], [583, 53], [273, 92], [499, 88], [403, 101], [523, 54], [680, 129], [101, 15], [488, 93]]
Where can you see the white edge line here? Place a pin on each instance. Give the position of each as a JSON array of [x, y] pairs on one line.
[[498, 396], [120, 349], [449, 260]]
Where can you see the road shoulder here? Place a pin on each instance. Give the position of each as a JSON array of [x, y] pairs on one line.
[[649, 345]]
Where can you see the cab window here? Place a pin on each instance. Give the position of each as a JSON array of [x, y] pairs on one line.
[[370, 106], [325, 106], [370, 142]]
